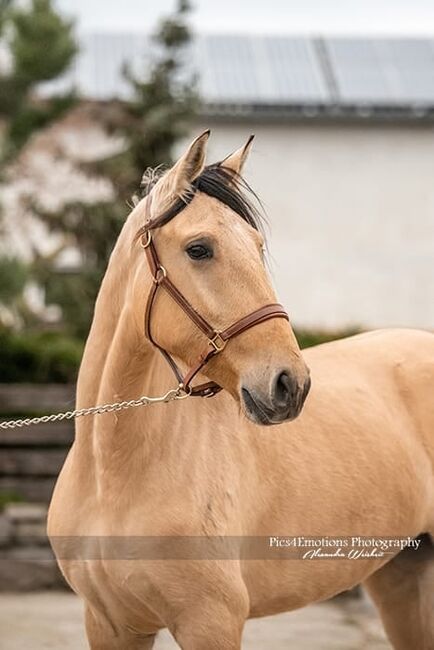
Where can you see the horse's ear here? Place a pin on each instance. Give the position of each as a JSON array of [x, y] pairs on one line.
[[188, 167], [192, 162], [176, 182], [235, 161]]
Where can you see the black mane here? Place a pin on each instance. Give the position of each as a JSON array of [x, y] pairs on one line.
[[231, 189], [219, 183]]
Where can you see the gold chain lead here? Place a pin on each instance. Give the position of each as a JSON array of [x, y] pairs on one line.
[[170, 396]]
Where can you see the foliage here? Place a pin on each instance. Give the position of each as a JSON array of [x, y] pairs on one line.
[[38, 357], [309, 338], [13, 277], [35, 117], [160, 111], [9, 496], [41, 46], [165, 103], [4, 6], [94, 229], [36, 29]]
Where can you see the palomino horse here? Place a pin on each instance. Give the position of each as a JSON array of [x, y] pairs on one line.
[[357, 462]]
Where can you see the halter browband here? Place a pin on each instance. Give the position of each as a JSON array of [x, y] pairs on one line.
[[217, 339]]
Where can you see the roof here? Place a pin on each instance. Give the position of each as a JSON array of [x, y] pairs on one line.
[[278, 75]]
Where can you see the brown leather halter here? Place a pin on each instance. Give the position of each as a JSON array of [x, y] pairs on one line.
[[217, 339]]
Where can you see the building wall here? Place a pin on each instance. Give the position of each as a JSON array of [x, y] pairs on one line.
[[351, 213]]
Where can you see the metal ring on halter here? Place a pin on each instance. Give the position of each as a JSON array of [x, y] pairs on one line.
[[145, 242], [185, 390], [160, 274]]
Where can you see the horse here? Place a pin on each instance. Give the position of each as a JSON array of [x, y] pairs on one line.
[[251, 453]]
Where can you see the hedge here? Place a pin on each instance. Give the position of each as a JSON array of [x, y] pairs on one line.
[[308, 338], [43, 357]]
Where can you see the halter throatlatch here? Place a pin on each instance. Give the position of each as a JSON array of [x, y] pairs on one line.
[[217, 339]]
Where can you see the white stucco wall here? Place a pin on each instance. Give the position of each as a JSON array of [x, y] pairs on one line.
[[351, 211]]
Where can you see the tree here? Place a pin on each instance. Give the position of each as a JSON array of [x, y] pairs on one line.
[[164, 104], [159, 113], [41, 46], [13, 278]]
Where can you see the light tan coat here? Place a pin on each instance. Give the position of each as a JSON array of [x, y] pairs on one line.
[[357, 461]]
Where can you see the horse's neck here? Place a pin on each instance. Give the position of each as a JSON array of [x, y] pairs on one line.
[[115, 367], [109, 323], [106, 322], [118, 364]]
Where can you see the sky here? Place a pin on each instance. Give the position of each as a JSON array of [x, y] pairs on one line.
[[261, 16]]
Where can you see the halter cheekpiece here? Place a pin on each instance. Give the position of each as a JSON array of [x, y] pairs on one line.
[[217, 339]]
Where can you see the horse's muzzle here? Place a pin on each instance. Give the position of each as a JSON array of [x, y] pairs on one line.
[[283, 400]]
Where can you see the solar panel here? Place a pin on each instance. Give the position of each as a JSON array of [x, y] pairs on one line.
[[414, 59], [102, 61], [264, 70], [226, 70], [294, 68], [383, 71], [269, 71]]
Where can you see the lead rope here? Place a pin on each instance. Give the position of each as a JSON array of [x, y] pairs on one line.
[[171, 396]]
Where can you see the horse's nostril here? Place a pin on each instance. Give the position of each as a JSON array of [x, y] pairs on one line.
[[284, 400], [285, 390]]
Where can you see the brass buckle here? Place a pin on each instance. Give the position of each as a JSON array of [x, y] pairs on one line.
[[145, 242], [217, 342]]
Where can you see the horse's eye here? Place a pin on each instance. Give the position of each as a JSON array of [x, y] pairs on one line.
[[199, 251]]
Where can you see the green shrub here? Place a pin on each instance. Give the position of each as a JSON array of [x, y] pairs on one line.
[[9, 496], [13, 277], [309, 338], [42, 357]]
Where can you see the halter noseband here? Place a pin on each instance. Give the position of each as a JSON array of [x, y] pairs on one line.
[[217, 339]]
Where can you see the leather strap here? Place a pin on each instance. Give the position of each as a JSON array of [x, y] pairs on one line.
[[185, 306], [260, 315], [217, 340]]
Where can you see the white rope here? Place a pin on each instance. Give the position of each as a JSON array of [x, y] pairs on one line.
[[170, 396]]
